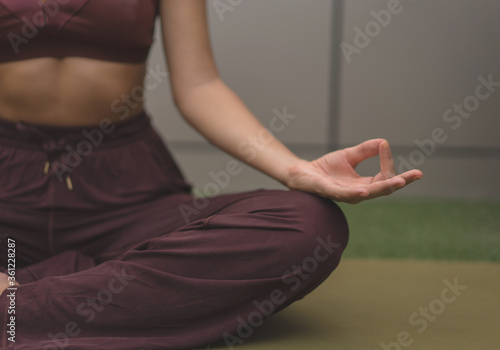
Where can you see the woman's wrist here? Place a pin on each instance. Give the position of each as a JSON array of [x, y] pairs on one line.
[[290, 171]]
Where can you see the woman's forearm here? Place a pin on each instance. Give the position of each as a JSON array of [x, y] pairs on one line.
[[223, 119]]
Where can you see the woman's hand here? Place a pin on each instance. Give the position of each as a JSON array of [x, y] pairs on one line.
[[333, 175]]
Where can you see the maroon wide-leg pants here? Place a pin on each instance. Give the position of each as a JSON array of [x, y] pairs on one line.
[[113, 252]]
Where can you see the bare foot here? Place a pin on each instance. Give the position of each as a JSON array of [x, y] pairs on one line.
[[4, 282]]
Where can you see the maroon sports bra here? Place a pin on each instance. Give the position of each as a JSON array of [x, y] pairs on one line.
[[110, 30]]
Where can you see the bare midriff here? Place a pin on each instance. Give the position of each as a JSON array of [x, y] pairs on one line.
[[71, 91]]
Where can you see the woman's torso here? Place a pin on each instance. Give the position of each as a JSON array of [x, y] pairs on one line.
[[97, 62]]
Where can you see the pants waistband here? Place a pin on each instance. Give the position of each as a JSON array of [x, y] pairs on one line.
[[57, 138], [86, 167]]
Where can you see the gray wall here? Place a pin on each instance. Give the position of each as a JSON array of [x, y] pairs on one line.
[[427, 59], [277, 53]]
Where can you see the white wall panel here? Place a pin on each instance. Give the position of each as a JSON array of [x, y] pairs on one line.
[[427, 59]]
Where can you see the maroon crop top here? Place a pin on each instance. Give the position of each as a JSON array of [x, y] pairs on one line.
[[111, 30]]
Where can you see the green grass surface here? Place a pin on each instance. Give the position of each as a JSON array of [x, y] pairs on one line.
[[424, 229]]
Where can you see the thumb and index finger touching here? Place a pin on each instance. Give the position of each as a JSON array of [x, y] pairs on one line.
[[371, 148]]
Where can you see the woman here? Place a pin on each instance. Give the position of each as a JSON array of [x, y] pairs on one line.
[[110, 249]]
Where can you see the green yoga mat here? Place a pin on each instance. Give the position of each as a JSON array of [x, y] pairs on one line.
[[400, 304]]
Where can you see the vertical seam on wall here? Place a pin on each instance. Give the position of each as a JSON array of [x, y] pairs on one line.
[[335, 72]]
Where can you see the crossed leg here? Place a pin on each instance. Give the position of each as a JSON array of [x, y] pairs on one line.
[[242, 258]]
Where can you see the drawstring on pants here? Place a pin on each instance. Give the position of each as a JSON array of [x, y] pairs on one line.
[[51, 146]]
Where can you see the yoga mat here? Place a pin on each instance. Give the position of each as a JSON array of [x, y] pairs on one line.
[[402, 304]]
